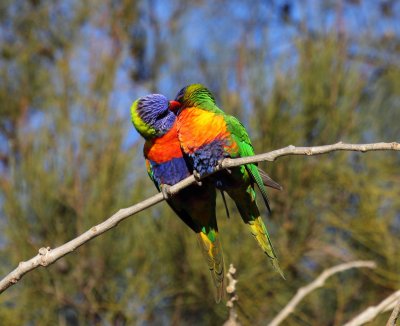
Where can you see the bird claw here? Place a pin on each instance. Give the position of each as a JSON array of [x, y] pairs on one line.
[[197, 177], [220, 166], [166, 192]]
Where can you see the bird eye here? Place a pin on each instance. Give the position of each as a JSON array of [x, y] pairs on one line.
[[179, 96]]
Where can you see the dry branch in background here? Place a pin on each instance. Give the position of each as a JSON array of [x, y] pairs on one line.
[[317, 283], [394, 315], [371, 312], [231, 290], [47, 256]]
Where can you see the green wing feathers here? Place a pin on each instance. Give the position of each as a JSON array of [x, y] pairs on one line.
[[255, 175], [212, 252], [244, 194], [240, 135], [260, 233]]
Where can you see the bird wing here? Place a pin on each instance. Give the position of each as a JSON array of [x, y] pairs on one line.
[[241, 137], [150, 172], [183, 215]]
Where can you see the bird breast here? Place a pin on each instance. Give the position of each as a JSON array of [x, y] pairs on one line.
[[197, 128]]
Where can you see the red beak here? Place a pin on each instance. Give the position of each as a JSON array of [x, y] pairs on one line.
[[174, 106]]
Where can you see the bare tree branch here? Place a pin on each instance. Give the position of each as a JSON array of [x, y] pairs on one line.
[[317, 283], [47, 256], [316, 150], [371, 312], [231, 290], [395, 315]]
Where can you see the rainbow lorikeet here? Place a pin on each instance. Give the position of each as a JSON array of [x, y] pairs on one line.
[[195, 205], [208, 135]]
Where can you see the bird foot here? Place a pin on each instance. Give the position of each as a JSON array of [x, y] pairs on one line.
[[166, 192], [197, 177], [220, 166]]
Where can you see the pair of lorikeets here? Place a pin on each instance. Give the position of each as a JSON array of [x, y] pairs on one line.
[[192, 135]]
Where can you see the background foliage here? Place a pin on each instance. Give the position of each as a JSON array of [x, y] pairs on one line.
[[301, 73]]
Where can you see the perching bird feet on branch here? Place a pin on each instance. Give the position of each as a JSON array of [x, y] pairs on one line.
[[197, 177], [166, 192]]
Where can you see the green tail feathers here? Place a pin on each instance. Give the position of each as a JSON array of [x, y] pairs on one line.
[[259, 231], [212, 252]]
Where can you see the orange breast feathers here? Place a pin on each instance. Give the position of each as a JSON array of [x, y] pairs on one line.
[[164, 148], [197, 128]]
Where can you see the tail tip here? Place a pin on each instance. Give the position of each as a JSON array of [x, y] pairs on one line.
[[219, 293], [278, 268]]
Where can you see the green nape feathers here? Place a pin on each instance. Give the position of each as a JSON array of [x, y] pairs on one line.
[[196, 95]]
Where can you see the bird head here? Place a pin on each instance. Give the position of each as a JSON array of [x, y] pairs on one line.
[[194, 95], [151, 115]]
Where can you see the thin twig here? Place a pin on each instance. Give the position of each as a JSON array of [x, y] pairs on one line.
[[47, 256], [317, 283], [373, 311], [394, 315], [231, 290]]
